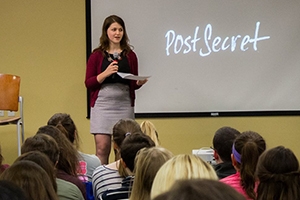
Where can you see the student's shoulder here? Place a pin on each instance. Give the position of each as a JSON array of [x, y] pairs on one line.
[[104, 170], [68, 190], [90, 158]]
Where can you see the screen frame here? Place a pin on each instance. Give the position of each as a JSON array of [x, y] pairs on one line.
[[177, 114]]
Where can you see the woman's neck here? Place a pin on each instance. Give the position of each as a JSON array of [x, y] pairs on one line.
[[114, 165], [114, 48]]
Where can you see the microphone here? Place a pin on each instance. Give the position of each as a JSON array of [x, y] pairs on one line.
[[116, 56]]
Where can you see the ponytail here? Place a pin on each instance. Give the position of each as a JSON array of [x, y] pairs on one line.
[[250, 155], [250, 145]]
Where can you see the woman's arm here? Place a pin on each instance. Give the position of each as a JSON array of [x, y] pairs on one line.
[[93, 68]]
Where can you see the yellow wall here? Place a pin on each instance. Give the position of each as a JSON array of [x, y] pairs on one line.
[[44, 42]]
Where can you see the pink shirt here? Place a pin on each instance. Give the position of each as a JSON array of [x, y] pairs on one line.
[[235, 182]]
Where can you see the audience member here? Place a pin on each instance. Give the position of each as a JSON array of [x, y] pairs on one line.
[[11, 191], [222, 145], [42, 160], [129, 148], [47, 145], [88, 162], [278, 174], [32, 178], [108, 176], [2, 166], [149, 129], [200, 189], [181, 167], [147, 163], [68, 162], [245, 153], [43, 143]]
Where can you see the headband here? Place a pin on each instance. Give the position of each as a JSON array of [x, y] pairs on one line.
[[236, 154]]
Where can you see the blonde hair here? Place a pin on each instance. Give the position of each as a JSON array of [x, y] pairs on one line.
[[147, 162], [181, 167], [149, 129]]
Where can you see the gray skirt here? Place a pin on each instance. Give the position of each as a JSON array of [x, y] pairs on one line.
[[113, 103]]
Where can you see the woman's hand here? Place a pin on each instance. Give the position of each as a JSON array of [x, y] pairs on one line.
[[141, 82], [111, 69]]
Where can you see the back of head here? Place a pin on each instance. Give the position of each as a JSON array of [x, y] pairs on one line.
[[69, 156], [181, 167], [131, 145], [246, 150], [223, 140], [11, 191], [122, 127], [149, 129], [278, 174], [42, 160], [66, 124], [200, 189], [147, 163], [43, 143], [32, 179]]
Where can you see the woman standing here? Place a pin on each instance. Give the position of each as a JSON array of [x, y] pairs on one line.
[[111, 97]]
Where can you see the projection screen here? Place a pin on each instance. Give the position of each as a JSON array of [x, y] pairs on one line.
[[211, 56]]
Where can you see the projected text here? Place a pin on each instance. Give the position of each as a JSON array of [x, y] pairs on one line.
[[176, 43]]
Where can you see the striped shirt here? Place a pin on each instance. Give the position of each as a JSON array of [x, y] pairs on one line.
[[105, 178], [121, 193]]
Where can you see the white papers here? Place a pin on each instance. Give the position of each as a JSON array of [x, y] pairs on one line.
[[131, 76]]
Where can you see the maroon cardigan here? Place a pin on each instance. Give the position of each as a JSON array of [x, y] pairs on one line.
[[94, 67]]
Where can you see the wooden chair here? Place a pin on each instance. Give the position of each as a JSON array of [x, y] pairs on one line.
[[10, 100]]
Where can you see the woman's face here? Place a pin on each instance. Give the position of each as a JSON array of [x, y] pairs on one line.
[[115, 33]]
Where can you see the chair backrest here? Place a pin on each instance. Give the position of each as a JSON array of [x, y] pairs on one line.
[[9, 92]]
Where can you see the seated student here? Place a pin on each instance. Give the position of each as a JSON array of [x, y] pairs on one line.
[[246, 150], [11, 191], [32, 178], [222, 145], [278, 174], [42, 160], [200, 189], [108, 176], [88, 162], [149, 129], [129, 148], [147, 163], [2, 166], [68, 163], [182, 166], [47, 145]]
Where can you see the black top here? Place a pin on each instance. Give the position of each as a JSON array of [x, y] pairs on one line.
[[123, 67], [224, 169]]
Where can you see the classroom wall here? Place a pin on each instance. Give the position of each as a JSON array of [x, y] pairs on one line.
[[44, 43]]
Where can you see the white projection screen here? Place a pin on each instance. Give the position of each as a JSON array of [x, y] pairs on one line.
[[211, 56]]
